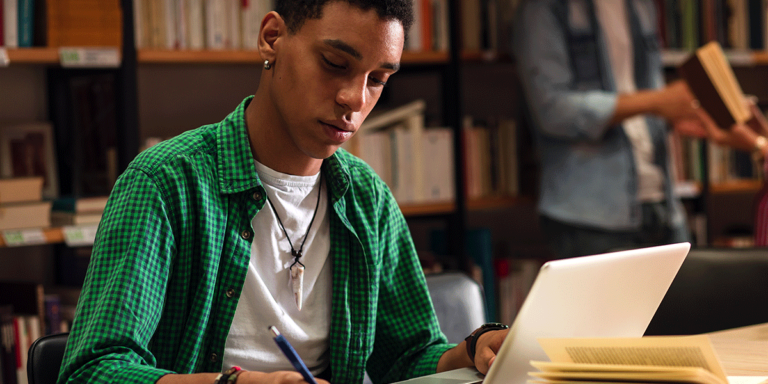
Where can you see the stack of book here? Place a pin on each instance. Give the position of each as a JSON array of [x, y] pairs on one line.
[[490, 155], [416, 163], [78, 211], [60, 23], [199, 24], [22, 205]]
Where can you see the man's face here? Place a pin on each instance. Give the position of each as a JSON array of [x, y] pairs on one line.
[[330, 74]]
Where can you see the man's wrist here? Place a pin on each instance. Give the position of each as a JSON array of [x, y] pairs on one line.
[[761, 144], [471, 340]]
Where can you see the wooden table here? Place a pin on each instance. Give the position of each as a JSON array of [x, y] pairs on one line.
[[743, 351]]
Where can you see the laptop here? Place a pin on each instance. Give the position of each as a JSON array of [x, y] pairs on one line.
[[609, 295]]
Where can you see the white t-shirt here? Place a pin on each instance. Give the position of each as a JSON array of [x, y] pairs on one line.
[[613, 17], [267, 297]]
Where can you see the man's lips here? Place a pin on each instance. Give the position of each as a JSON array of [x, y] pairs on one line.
[[340, 125]]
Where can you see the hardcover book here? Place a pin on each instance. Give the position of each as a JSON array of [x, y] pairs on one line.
[[711, 79]]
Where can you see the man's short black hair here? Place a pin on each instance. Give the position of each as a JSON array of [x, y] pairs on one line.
[[295, 12]]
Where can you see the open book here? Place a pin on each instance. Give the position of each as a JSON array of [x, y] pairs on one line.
[[654, 359], [711, 79]]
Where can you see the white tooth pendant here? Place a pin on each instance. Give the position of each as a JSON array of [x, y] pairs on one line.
[[297, 278]]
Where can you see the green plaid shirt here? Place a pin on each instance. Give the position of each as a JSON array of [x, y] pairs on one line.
[[173, 248]]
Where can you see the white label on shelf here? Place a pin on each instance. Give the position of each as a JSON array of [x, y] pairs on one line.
[[107, 57], [672, 58], [76, 235], [4, 60], [19, 237], [740, 58]]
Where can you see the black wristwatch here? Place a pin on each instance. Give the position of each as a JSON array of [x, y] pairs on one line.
[[472, 338]]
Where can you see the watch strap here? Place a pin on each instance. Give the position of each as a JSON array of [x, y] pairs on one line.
[[471, 340]]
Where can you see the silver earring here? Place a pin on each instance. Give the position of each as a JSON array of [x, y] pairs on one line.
[[267, 65]]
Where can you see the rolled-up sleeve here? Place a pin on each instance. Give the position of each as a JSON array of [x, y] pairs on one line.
[[559, 109]]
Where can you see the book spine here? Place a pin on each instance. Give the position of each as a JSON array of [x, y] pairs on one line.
[[196, 24], [7, 345], [11, 23], [756, 27], [26, 25], [2, 25], [52, 314], [138, 24]]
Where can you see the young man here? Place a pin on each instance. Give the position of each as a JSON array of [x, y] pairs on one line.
[[592, 75], [260, 220]]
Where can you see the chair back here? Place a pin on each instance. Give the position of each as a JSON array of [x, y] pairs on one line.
[[459, 304], [44, 360], [715, 289]]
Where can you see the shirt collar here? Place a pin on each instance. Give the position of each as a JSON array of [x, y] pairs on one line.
[[237, 169]]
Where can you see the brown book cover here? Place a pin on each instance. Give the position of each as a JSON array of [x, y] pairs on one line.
[[25, 215], [711, 79], [21, 189]]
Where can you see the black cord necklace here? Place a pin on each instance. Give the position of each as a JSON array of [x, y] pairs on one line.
[[297, 268]]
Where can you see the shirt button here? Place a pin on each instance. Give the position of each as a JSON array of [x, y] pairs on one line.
[[257, 195], [246, 235], [214, 357], [230, 293]]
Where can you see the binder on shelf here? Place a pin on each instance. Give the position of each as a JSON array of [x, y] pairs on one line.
[[83, 23], [26, 23]]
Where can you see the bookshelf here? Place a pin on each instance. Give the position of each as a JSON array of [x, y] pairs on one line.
[[36, 55]]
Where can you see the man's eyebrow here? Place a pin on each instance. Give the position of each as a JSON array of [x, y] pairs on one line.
[[344, 47]]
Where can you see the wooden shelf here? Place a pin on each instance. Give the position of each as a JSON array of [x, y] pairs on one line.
[[35, 55], [430, 57], [496, 202], [737, 186], [485, 203], [52, 236], [761, 58], [157, 56], [412, 210], [484, 56], [737, 58]]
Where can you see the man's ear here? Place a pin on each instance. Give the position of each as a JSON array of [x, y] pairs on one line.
[[272, 29]]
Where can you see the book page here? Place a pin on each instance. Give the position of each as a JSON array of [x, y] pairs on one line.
[[671, 351], [721, 73], [747, 379], [676, 375]]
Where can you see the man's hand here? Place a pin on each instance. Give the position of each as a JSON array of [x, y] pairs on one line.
[[279, 377], [487, 347], [676, 102], [739, 136]]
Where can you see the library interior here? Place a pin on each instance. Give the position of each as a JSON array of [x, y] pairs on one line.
[[87, 85]]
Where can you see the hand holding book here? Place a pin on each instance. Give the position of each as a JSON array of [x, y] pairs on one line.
[[726, 115]]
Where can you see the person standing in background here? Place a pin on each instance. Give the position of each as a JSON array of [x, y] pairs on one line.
[[593, 80]]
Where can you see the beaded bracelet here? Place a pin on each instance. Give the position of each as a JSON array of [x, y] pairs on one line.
[[229, 376], [233, 377]]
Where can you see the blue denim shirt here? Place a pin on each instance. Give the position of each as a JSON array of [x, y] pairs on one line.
[[588, 174]]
